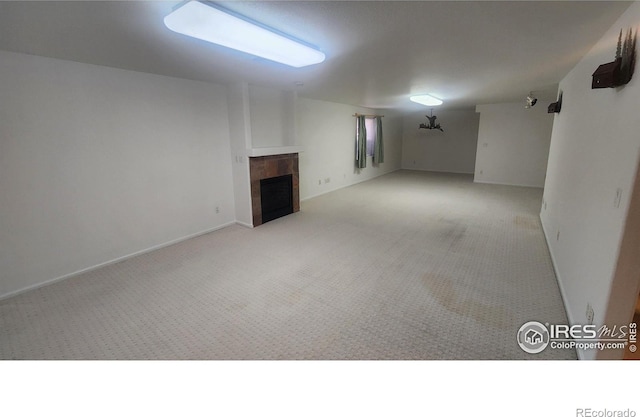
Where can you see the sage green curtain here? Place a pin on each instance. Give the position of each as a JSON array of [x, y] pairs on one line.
[[378, 146], [361, 143]]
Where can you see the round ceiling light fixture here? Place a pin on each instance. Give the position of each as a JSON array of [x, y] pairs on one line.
[[426, 100]]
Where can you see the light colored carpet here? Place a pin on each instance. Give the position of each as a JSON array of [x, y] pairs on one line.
[[411, 265]]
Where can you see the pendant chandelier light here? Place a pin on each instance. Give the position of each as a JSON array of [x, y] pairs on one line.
[[432, 123]]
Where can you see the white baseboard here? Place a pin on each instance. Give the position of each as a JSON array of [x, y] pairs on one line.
[[247, 225], [507, 183], [347, 185], [563, 293], [439, 171], [113, 261]]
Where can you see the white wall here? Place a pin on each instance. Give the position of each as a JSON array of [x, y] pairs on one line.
[[99, 163], [453, 150], [327, 133], [241, 141], [513, 144], [594, 152], [272, 117]]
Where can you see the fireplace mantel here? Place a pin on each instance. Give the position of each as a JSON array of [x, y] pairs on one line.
[[275, 150]]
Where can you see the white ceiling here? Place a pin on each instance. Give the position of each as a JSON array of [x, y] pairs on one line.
[[378, 52]]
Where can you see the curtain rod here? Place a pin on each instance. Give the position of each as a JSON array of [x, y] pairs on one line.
[[368, 115]]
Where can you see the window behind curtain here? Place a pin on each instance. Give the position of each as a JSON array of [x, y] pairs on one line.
[[372, 131]]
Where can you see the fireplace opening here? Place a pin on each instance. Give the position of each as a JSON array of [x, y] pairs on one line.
[[276, 196]]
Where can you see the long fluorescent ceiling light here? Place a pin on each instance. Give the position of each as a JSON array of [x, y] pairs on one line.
[[426, 100], [208, 23]]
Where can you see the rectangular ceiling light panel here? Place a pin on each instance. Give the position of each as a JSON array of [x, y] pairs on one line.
[[205, 22], [426, 100]]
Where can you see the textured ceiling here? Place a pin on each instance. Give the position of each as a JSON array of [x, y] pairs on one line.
[[378, 53]]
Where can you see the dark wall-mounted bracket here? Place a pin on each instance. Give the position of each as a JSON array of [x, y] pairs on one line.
[[618, 72], [557, 106]]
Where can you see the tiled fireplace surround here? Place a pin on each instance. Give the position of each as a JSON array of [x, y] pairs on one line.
[[262, 167]]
